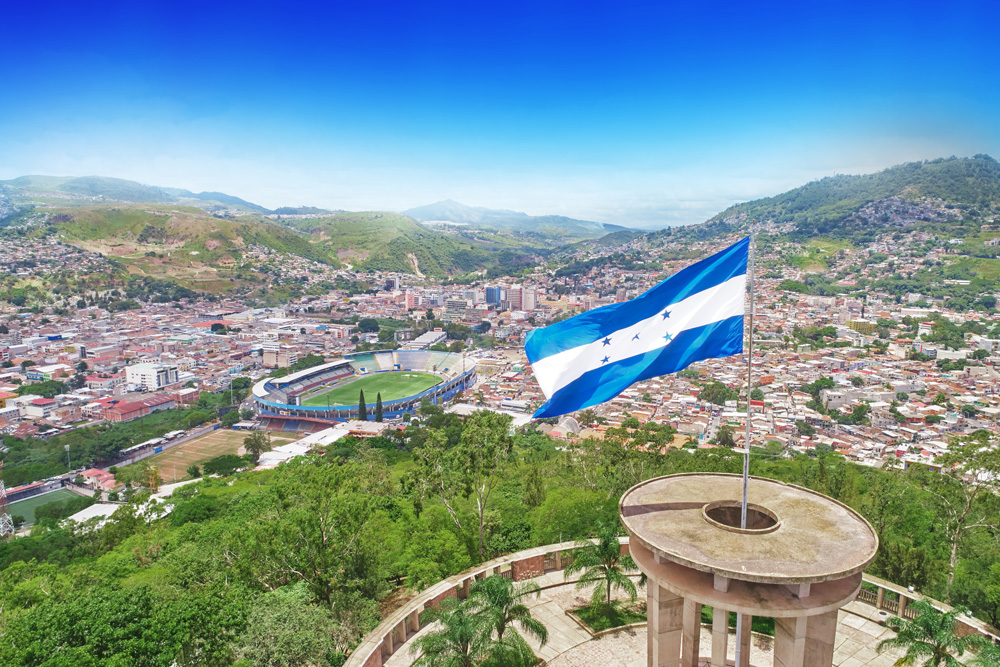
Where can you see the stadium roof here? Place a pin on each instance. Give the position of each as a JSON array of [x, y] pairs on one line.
[[294, 377]]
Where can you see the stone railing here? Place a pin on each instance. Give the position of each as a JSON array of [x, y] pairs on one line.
[[402, 624], [894, 600]]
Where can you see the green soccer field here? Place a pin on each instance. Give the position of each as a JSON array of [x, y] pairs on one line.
[[26, 507], [391, 385]]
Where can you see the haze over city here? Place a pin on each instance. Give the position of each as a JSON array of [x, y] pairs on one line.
[[644, 114]]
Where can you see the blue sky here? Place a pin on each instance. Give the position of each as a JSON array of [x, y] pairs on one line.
[[646, 113]]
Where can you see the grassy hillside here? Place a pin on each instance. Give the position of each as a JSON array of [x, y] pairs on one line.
[[386, 241], [184, 244], [829, 205]]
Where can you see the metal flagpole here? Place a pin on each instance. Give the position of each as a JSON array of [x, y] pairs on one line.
[[746, 440]]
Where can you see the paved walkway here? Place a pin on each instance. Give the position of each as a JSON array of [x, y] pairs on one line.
[[569, 645]]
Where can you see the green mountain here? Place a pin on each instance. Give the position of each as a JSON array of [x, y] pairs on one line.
[[385, 241], [180, 243], [85, 189], [905, 194], [484, 218]]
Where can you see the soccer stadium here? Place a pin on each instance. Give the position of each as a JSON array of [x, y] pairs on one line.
[[329, 393]]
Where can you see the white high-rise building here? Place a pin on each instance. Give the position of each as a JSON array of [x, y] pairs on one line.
[[151, 376]]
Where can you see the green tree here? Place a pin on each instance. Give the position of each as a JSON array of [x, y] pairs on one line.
[[534, 487], [964, 491], [432, 550], [378, 407], [929, 639], [757, 394], [284, 630], [499, 602], [460, 642], [224, 465], [724, 436], [230, 419], [717, 393], [362, 408], [322, 527], [603, 566], [368, 325], [482, 456], [257, 443], [193, 471]]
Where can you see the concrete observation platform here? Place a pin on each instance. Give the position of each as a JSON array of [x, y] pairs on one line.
[[798, 561]]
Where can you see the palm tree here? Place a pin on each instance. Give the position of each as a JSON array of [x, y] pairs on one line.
[[929, 638], [500, 603], [603, 564], [988, 657], [461, 641]]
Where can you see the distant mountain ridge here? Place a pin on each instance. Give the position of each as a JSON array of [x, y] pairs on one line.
[[480, 217], [841, 204], [119, 189]]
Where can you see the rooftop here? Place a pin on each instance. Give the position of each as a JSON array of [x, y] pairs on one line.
[[796, 536]]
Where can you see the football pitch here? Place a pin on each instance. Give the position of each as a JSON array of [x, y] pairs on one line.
[[172, 463], [391, 385], [26, 507]]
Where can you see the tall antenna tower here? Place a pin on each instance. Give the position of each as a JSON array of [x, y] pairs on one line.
[[6, 523]]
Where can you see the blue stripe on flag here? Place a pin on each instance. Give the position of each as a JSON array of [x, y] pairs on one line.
[[719, 339], [600, 322]]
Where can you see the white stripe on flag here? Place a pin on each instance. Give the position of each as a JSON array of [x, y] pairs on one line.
[[714, 304]]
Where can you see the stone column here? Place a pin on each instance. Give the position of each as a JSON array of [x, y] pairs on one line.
[[466, 585], [415, 621], [880, 598], [400, 632], [902, 606], [747, 623], [720, 636], [664, 615], [789, 642], [806, 641], [691, 643], [821, 638], [387, 645]]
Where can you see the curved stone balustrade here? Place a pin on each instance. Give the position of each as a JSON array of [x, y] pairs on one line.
[[393, 633]]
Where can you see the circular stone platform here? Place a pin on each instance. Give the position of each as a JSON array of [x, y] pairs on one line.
[[799, 536]]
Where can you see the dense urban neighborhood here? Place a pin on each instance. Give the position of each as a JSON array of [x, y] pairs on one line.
[[151, 392]]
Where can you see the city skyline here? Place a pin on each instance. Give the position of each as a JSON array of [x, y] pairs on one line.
[[645, 116]]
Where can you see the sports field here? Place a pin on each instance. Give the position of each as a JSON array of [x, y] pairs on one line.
[[26, 507], [173, 463], [391, 385]]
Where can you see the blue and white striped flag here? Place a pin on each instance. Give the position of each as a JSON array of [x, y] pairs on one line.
[[693, 315]]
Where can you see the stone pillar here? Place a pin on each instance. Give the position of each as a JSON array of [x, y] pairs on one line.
[[790, 642], [720, 636], [691, 643], [415, 620], [746, 620], [387, 646], [821, 638], [559, 560], [466, 585], [880, 598], [902, 606], [806, 641], [664, 615], [400, 633]]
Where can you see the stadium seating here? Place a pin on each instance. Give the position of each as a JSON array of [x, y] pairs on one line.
[[385, 361], [364, 362], [413, 360]]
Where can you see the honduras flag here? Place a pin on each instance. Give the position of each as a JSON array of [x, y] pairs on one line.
[[693, 315]]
